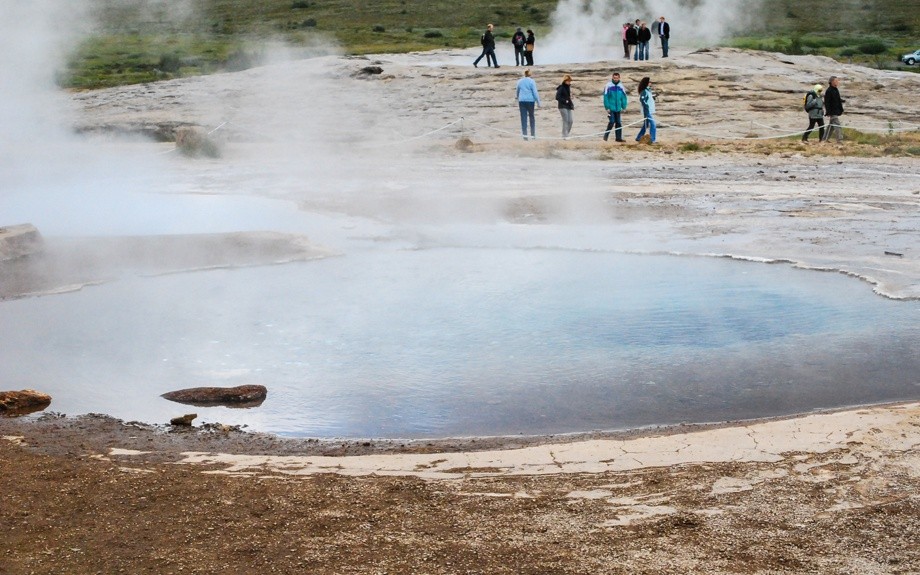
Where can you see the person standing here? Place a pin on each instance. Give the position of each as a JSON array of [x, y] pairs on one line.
[[528, 47], [625, 41], [615, 102], [488, 48], [656, 37], [528, 97], [664, 32], [566, 106], [647, 99], [814, 105], [632, 35], [644, 37], [518, 42], [833, 107]]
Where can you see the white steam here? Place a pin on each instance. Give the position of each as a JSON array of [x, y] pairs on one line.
[[590, 30]]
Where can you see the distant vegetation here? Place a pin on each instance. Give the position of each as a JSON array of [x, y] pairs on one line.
[[873, 32], [147, 40]]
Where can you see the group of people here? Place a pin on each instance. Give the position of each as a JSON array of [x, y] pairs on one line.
[[522, 43], [615, 102], [817, 106], [637, 36]]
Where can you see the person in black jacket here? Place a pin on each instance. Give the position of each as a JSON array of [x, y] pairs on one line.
[[564, 98], [518, 41], [632, 38], [664, 32], [528, 47], [833, 106], [644, 36], [488, 48]]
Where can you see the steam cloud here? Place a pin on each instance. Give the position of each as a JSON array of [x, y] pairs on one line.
[[589, 30]]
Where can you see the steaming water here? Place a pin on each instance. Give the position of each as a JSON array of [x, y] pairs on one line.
[[470, 341]]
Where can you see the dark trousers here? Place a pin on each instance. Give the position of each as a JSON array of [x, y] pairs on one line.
[[527, 113], [614, 120], [489, 53], [812, 122], [519, 57]]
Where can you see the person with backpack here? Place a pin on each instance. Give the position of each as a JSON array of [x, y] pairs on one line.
[[564, 98], [518, 42], [814, 106], [488, 49], [615, 101]]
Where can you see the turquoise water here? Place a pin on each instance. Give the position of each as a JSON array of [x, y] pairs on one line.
[[447, 342]]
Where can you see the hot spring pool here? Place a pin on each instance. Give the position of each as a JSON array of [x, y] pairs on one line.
[[469, 341]]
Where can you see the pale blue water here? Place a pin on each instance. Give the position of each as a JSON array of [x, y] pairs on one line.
[[448, 342]]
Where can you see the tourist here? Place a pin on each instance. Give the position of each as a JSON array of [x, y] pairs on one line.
[[528, 47], [664, 32], [488, 48], [632, 38], [527, 98], [626, 27], [647, 99], [518, 42], [564, 98], [814, 105], [615, 101], [833, 107], [644, 36]]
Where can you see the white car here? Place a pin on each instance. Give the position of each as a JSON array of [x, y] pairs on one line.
[[912, 58]]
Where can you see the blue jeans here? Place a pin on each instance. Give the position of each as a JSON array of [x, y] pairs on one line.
[[527, 112], [642, 52], [664, 47], [614, 120], [650, 123]]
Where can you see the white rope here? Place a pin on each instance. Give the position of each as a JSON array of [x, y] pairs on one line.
[[904, 127]]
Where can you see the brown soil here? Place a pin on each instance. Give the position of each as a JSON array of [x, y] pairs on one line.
[[69, 508]]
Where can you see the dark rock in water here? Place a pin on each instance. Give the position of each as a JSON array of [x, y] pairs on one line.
[[240, 396], [184, 421], [23, 402]]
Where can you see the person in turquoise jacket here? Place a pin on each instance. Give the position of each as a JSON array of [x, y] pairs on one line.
[[647, 99], [615, 101]]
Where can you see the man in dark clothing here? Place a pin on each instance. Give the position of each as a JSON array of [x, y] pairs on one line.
[[488, 49], [632, 39], [664, 32], [833, 106], [644, 36], [518, 42]]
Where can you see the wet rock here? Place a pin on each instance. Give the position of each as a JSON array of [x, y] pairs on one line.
[[183, 421], [240, 396], [23, 402], [195, 142], [18, 241]]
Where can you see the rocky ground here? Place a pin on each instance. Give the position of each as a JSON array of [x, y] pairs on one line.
[[832, 493]]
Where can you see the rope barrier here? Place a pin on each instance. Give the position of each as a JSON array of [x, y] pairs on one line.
[[463, 122]]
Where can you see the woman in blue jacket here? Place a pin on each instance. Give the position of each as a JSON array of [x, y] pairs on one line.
[[527, 98], [647, 99]]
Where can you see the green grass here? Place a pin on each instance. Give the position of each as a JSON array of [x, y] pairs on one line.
[[871, 32], [143, 41]]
